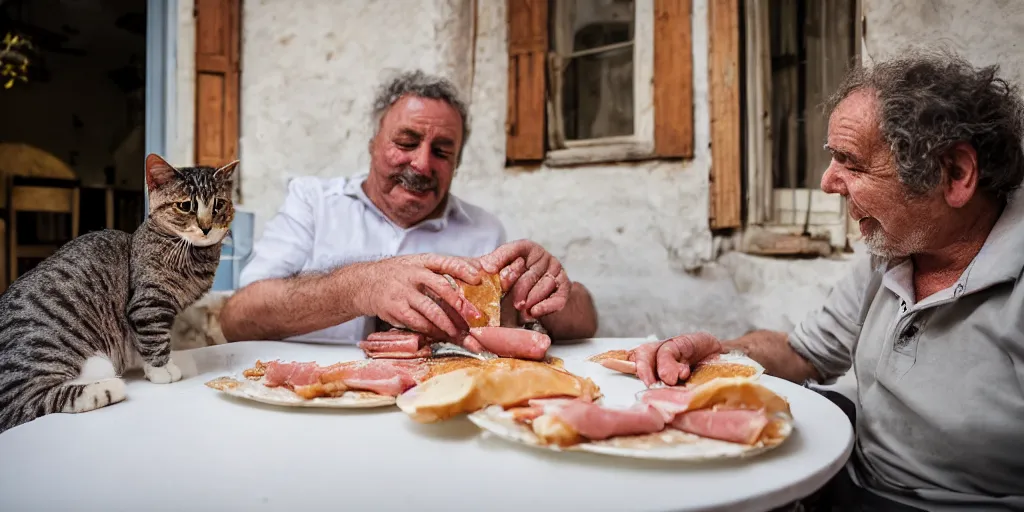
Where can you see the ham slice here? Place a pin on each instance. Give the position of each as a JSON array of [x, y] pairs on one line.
[[291, 374], [596, 422], [670, 401], [732, 425], [311, 380], [568, 421]]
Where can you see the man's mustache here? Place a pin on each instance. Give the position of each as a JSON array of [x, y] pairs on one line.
[[414, 181]]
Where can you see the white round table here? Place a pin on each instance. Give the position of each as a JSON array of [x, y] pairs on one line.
[[186, 447]]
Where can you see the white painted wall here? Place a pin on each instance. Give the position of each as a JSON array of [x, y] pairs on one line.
[[635, 234]]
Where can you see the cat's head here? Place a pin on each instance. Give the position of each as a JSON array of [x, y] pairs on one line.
[[193, 203]]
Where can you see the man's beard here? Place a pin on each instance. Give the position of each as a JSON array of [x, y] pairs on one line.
[[880, 244], [413, 181]]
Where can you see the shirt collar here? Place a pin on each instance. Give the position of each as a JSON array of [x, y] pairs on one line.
[[1002, 257], [453, 208]]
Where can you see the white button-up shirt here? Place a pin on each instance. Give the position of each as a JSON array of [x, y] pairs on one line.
[[327, 223]]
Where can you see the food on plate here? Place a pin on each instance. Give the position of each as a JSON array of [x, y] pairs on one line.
[[499, 341], [732, 364], [506, 382], [732, 409], [566, 422], [310, 380], [735, 410]]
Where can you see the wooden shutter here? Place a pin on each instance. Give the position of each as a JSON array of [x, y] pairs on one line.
[[724, 75], [527, 72], [673, 79], [218, 38]]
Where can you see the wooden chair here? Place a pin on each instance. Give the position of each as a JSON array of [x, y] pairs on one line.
[[37, 195]]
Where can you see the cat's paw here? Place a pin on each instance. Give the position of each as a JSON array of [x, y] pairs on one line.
[[163, 374], [97, 394]]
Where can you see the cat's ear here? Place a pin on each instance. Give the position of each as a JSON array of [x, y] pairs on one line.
[[224, 173], [158, 172]]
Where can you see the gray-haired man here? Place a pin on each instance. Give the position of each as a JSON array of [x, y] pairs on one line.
[[344, 251], [927, 150]]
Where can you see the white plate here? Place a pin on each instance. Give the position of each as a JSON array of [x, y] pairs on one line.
[[669, 444], [241, 387]]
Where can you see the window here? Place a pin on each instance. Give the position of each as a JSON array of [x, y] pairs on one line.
[[795, 54], [599, 81]]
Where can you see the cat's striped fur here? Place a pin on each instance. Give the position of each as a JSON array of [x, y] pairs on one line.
[[112, 295]]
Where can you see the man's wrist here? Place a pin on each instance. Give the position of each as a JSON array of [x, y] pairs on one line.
[[356, 282]]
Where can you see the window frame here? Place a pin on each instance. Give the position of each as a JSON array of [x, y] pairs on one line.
[[639, 145], [807, 213], [663, 89]]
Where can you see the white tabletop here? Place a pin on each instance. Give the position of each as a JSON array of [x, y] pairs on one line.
[[185, 447]]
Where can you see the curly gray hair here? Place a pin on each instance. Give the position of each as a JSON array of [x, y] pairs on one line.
[[931, 100], [418, 83]]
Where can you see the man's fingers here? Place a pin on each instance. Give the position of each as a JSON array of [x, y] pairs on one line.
[[526, 283], [557, 299], [545, 286], [683, 351], [670, 369], [443, 289], [554, 303], [695, 347], [409, 318], [511, 273], [460, 268], [644, 357], [430, 319], [505, 254]]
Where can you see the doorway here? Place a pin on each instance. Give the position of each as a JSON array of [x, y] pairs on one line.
[[73, 89]]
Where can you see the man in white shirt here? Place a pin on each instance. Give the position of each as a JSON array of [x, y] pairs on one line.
[[343, 252]]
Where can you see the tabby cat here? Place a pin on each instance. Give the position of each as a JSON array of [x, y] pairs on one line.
[[109, 298]]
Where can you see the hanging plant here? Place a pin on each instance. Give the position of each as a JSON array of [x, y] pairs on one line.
[[14, 59]]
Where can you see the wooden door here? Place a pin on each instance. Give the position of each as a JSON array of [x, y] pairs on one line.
[[218, 67]]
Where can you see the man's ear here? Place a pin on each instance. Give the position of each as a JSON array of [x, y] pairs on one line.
[[158, 172], [961, 171], [225, 172]]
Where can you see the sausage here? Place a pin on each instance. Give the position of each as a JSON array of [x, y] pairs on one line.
[[512, 342]]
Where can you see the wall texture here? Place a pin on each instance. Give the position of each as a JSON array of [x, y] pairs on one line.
[[985, 31], [636, 234]]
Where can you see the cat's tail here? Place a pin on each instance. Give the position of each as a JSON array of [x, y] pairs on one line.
[[33, 400]]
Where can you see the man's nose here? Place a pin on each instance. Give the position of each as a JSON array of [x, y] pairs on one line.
[[421, 159], [831, 183]]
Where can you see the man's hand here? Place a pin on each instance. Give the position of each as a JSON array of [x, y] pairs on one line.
[[535, 280], [670, 360], [399, 290]]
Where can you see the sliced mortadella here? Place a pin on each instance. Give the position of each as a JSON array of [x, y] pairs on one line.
[[595, 422], [733, 425], [511, 342]]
